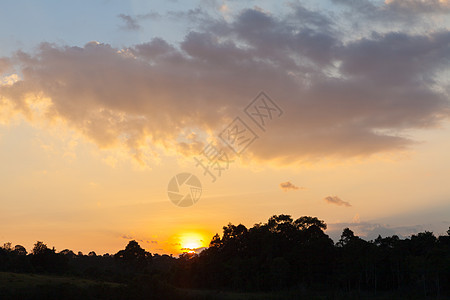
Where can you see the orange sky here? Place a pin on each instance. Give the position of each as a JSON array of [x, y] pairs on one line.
[[61, 189], [96, 119]]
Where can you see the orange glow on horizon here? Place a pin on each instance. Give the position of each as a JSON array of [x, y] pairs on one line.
[[191, 241]]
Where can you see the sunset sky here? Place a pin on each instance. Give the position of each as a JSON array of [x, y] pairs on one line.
[[103, 102]]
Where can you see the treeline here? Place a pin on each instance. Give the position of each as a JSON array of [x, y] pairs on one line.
[[281, 254], [285, 253], [121, 267], [132, 273]]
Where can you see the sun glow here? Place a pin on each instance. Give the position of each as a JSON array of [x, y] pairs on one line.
[[191, 241]]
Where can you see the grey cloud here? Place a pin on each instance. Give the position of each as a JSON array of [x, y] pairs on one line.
[[342, 98], [360, 5], [196, 15], [395, 11], [397, 58], [312, 18], [419, 6], [336, 200], [417, 221], [5, 65], [281, 40], [370, 230], [133, 22]]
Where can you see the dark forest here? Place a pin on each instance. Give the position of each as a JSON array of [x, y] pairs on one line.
[[280, 259]]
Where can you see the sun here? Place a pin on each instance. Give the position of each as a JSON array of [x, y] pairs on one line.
[[191, 241]]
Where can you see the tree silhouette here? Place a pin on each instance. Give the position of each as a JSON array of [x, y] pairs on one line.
[[39, 248], [68, 253], [20, 250], [215, 241], [7, 246], [133, 258], [282, 254], [306, 222], [132, 252]]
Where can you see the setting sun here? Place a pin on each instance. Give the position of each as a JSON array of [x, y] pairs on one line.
[[191, 241]]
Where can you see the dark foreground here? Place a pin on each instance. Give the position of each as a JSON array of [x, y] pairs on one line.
[[34, 286], [280, 259]]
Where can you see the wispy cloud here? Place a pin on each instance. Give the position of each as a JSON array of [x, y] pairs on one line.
[[129, 237], [394, 11], [289, 186], [133, 22], [371, 230], [130, 22], [336, 200]]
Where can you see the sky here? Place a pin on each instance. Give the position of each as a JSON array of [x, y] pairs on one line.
[[334, 108]]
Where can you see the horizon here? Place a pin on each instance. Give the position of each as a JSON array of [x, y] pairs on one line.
[[162, 122], [198, 250]]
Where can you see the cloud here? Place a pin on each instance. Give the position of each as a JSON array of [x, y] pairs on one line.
[[5, 65], [132, 22], [371, 230], [336, 200], [419, 6], [410, 12], [343, 97], [289, 186], [402, 224], [196, 250], [129, 237]]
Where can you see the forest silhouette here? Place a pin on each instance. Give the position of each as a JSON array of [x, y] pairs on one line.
[[280, 259]]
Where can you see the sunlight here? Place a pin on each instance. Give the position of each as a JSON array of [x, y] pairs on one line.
[[191, 241]]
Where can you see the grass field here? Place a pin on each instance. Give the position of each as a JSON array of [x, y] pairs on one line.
[[37, 286], [20, 281], [21, 286]]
